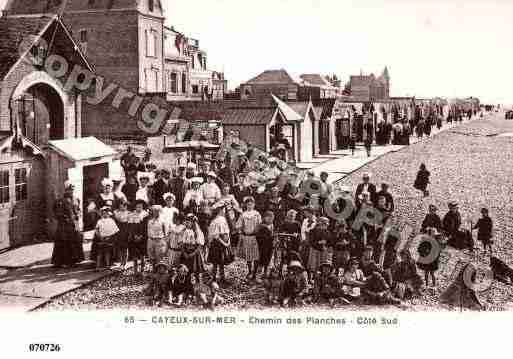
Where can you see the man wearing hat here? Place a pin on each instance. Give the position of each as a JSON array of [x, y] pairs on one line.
[[163, 185], [365, 186], [273, 171], [205, 170], [241, 190], [179, 186], [210, 190], [67, 250], [191, 170], [452, 220], [432, 220]]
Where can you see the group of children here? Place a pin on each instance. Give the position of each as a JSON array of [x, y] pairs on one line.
[[289, 246]]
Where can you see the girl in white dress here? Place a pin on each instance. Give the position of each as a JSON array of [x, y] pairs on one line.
[[248, 223]]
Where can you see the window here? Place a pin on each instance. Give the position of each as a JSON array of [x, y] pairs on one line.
[[20, 183], [83, 35], [173, 82], [195, 89], [192, 62], [4, 187], [151, 43], [184, 83], [151, 5], [151, 79]]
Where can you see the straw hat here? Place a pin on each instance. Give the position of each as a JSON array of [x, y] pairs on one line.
[[156, 208], [68, 185], [197, 180], [161, 264], [326, 263], [106, 182], [296, 265], [167, 195]]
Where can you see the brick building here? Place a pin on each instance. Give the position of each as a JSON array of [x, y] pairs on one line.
[[130, 46], [277, 82], [369, 87]]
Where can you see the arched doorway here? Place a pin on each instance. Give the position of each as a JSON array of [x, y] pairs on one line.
[[40, 113]]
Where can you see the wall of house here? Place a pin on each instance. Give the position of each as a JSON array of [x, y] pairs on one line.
[[112, 44], [256, 135], [148, 24], [181, 69]]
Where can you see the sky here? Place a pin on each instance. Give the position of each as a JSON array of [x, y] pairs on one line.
[[448, 48]]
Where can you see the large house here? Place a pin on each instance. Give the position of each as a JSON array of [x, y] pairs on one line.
[[129, 44], [281, 84]]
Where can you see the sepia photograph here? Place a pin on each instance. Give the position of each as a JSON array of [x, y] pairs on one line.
[[255, 159]]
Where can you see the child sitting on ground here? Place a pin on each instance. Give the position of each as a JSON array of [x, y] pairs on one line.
[[326, 285], [272, 286], [181, 286], [159, 286], [207, 291], [295, 286]]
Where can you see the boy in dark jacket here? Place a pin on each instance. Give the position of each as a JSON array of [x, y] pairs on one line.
[[484, 228]]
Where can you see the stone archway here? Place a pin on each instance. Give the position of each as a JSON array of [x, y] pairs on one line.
[[41, 108]]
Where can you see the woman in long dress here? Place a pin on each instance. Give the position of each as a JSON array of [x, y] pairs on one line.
[[248, 223], [68, 249]]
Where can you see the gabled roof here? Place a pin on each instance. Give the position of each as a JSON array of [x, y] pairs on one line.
[[12, 32], [272, 77], [299, 107], [15, 31], [287, 112]]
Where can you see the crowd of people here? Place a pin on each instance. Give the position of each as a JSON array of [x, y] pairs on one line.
[[182, 226]]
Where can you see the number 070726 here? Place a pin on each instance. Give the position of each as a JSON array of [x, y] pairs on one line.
[[44, 347]]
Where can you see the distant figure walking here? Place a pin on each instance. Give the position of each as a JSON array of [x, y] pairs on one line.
[[422, 180]]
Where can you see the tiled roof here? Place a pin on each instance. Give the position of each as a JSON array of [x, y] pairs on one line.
[[12, 32], [314, 79], [248, 116], [272, 77]]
